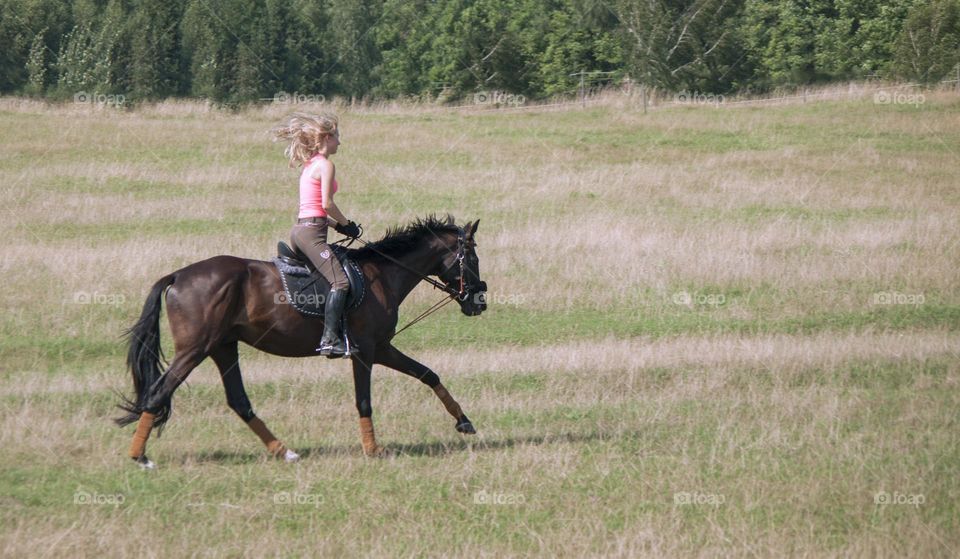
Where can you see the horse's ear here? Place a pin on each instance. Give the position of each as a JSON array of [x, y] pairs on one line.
[[471, 228]]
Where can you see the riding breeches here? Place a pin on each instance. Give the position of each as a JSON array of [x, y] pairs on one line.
[[311, 240]]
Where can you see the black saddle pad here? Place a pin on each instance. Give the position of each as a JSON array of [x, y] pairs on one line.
[[306, 289]]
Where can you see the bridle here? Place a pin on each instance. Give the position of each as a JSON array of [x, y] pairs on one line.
[[460, 293]]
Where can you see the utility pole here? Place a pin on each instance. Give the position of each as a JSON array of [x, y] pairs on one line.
[[583, 93]]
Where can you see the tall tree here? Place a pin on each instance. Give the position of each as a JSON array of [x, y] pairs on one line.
[[928, 48], [672, 43], [352, 38], [20, 23], [37, 66], [157, 67]]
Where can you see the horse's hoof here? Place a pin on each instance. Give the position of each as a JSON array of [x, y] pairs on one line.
[[290, 456], [145, 463], [376, 452], [466, 428]]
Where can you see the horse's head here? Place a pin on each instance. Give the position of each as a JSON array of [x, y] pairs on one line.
[[461, 272]]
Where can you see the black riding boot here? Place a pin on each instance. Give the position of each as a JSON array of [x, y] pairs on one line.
[[332, 343]]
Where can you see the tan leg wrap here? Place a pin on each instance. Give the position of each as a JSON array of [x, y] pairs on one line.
[[369, 440], [274, 446], [139, 445], [448, 402]]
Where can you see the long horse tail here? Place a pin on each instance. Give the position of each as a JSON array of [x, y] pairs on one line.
[[144, 357]]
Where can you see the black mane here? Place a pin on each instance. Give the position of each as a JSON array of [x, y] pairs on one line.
[[401, 240]]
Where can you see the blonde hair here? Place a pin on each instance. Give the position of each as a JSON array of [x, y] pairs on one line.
[[306, 134]]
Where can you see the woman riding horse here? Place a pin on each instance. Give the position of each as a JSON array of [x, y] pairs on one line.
[[313, 139], [214, 304]]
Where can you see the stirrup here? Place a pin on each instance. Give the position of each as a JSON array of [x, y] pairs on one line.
[[328, 350]]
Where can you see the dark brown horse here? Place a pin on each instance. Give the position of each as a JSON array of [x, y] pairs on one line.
[[214, 304]]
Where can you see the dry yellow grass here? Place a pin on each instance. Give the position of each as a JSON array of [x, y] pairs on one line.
[[695, 301]]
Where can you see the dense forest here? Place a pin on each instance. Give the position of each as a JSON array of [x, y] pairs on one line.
[[234, 51]]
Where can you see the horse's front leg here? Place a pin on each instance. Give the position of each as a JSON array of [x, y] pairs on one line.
[[362, 365], [390, 356]]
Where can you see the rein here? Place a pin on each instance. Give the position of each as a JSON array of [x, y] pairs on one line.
[[452, 294]]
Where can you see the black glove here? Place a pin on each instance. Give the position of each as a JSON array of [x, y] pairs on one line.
[[351, 229]]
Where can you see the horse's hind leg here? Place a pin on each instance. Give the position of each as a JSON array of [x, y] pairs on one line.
[[390, 356], [227, 360], [158, 405]]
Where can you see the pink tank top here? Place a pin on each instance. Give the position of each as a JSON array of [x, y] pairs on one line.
[[311, 197]]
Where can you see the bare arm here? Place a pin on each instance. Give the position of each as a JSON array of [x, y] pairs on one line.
[[325, 173]]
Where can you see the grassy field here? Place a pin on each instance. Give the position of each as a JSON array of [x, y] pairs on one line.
[[712, 331]]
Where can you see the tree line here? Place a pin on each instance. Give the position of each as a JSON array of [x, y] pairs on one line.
[[235, 51]]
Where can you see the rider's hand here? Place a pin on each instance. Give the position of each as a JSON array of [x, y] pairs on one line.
[[351, 229]]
